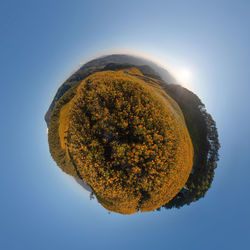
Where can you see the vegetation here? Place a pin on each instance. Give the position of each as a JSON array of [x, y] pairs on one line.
[[203, 131], [129, 145], [57, 151], [146, 67], [101, 130]]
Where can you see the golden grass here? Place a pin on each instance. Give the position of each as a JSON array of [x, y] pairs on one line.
[[64, 125]]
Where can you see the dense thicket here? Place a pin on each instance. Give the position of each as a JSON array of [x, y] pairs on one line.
[[132, 148]]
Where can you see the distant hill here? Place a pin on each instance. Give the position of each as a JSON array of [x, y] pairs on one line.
[[134, 60]]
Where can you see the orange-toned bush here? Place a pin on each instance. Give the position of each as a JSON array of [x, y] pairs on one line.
[[127, 141]]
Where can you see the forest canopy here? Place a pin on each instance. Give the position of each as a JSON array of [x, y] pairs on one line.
[[130, 145]]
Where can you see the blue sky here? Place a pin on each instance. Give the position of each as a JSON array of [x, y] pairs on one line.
[[42, 42]]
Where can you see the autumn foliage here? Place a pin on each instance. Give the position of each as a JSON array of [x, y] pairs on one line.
[[127, 139]]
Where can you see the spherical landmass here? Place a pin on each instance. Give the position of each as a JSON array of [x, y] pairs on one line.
[[127, 139], [124, 131]]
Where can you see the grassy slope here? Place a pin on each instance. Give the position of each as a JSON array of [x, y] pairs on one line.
[[59, 153], [63, 123]]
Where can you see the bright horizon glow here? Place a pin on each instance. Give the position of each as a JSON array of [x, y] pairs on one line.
[[183, 75]]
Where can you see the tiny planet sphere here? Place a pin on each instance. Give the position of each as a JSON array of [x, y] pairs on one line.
[[120, 125]]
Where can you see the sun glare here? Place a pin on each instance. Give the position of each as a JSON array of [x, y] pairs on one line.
[[184, 75]]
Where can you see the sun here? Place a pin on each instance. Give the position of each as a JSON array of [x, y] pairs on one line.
[[184, 75]]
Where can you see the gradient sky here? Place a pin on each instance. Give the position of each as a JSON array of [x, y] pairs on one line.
[[42, 42]]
